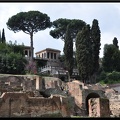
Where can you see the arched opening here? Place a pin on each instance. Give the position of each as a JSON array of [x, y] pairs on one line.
[[91, 95], [62, 78]]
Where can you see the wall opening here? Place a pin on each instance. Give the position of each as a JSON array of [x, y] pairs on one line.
[[91, 95]]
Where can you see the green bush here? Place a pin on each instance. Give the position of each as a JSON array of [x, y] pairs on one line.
[[109, 78], [12, 59], [102, 75], [115, 76]]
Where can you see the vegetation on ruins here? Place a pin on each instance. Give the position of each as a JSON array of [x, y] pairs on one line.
[[29, 22]]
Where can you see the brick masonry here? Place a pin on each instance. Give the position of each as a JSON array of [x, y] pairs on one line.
[[19, 104], [99, 107]]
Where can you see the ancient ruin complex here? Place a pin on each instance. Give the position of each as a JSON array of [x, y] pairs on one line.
[[35, 96]]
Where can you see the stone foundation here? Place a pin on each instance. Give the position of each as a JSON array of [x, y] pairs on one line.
[[19, 104]]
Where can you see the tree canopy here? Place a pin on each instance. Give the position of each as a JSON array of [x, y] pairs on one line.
[[111, 58], [29, 22], [60, 27], [10, 55]]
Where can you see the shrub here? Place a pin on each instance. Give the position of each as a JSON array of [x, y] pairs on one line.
[[31, 67], [109, 78]]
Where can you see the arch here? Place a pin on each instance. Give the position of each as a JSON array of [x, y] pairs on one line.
[[91, 95]]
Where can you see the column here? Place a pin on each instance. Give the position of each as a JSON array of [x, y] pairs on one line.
[[37, 83], [28, 53], [49, 55]]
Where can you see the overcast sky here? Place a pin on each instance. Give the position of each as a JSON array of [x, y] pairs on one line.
[[107, 14]]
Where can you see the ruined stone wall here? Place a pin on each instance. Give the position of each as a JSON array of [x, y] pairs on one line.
[[75, 90], [98, 107], [115, 106], [114, 98], [19, 104], [52, 82], [13, 83]]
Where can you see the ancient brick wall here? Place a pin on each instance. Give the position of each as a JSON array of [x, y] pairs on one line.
[[19, 104], [75, 90], [98, 107], [115, 108], [12, 83], [52, 82]]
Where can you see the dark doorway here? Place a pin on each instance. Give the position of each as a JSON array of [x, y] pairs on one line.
[[91, 95], [62, 78]]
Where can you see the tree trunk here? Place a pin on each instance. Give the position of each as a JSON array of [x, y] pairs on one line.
[[68, 76], [31, 47], [94, 76]]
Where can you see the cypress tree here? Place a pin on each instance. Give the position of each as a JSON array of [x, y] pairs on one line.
[[115, 42], [84, 54], [0, 37], [95, 37], [68, 52], [3, 36]]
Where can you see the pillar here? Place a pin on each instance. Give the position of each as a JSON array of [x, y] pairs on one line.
[[37, 82], [28, 53]]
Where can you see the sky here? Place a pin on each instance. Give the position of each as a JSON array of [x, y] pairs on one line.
[[107, 14]]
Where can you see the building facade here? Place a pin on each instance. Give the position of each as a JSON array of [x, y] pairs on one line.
[[52, 57], [49, 54], [53, 66], [27, 51]]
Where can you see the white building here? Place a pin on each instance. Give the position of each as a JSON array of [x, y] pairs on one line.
[[53, 65]]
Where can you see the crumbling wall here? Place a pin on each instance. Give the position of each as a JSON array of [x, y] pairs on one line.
[[19, 104], [75, 90], [11, 83], [115, 106], [98, 107], [52, 82]]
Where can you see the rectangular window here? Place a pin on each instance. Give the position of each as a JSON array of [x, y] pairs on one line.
[[54, 55], [26, 52], [44, 55], [47, 54]]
